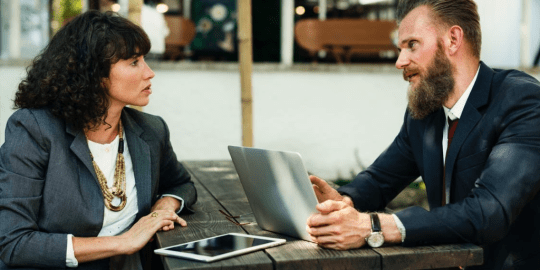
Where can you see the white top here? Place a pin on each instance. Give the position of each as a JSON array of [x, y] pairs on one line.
[[114, 223]]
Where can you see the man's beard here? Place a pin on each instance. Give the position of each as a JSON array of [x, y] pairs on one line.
[[433, 88]]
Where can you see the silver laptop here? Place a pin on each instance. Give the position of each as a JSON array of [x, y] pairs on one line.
[[278, 189]]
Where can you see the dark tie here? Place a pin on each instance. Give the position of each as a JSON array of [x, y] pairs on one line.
[[452, 125]]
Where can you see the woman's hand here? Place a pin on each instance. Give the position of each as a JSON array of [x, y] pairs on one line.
[[141, 233], [167, 203], [94, 248]]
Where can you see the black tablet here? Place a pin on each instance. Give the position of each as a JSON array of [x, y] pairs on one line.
[[220, 247]]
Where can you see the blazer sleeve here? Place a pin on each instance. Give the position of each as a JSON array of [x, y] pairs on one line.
[[508, 182], [24, 157], [174, 178], [392, 171]]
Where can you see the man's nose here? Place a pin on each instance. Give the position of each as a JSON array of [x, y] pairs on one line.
[[403, 60]]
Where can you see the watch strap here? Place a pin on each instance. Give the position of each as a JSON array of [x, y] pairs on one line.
[[375, 222]]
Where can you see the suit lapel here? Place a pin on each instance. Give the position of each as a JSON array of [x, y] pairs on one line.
[[469, 119], [140, 157], [79, 146], [432, 154], [89, 185]]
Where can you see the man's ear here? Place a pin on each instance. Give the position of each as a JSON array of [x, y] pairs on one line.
[[455, 38]]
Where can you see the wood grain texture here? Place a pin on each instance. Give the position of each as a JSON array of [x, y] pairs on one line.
[[208, 222], [295, 254], [219, 188], [430, 257]]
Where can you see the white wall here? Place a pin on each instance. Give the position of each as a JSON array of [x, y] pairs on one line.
[[10, 78], [500, 21], [330, 118], [327, 117]]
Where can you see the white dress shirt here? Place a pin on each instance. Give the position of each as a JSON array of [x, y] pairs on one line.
[[453, 113]]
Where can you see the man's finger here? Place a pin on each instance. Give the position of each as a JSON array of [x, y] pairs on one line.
[[326, 240], [330, 206], [318, 193], [317, 220], [322, 231], [321, 184]]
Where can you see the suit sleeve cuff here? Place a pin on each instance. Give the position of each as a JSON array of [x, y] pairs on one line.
[[179, 199], [71, 261], [400, 227]]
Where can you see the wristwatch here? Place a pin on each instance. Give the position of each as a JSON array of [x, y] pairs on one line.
[[376, 238]]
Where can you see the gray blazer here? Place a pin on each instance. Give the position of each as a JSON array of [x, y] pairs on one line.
[[48, 187]]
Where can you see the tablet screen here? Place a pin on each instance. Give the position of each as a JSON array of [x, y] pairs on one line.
[[220, 245]]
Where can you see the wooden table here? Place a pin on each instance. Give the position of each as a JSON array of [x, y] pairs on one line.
[[218, 188]]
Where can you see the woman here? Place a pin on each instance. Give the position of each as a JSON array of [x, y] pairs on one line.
[[84, 180]]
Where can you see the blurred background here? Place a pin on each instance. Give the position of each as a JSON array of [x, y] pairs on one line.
[[324, 82]]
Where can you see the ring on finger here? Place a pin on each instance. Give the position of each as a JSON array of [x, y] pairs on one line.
[[154, 214]]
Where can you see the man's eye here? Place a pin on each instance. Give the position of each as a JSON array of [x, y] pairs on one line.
[[134, 63], [412, 44]]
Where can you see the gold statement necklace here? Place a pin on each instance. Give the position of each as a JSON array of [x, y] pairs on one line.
[[119, 185]]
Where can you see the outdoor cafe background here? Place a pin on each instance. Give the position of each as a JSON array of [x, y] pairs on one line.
[[335, 115]]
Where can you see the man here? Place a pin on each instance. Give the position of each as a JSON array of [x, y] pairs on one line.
[[482, 187]]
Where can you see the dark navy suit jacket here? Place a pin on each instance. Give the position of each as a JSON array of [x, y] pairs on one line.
[[492, 172], [48, 186]]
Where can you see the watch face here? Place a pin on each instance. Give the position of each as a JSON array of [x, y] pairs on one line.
[[375, 239]]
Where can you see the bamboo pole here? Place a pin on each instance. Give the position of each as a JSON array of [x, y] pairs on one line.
[[246, 63], [134, 11]]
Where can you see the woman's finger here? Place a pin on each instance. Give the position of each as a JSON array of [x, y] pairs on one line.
[[181, 221]]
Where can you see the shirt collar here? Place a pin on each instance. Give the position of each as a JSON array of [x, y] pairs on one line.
[[457, 110]]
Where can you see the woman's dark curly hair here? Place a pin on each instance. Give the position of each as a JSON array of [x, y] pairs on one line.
[[67, 76]]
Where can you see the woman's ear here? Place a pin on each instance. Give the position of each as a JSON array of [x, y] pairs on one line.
[[106, 83]]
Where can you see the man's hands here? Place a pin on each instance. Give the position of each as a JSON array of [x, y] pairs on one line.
[[325, 192], [338, 226]]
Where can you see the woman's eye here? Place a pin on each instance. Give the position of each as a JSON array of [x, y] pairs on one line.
[[134, 63]]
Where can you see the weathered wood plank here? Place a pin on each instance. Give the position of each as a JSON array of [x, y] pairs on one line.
[[207, 222], [306, 255], [220, 178], [430, 257]]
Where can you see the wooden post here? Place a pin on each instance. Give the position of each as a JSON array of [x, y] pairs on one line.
[[246, 63], [134, 11]]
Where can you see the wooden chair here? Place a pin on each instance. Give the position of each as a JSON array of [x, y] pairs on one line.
[[181, 34], [345, 37]]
